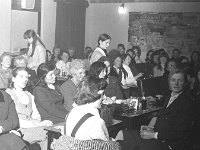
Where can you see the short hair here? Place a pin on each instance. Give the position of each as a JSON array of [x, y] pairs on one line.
[[3, 55], [88, 90], [23, 51], [176, 49], [180, 71], [125, 56], [19, 58], [121, 45], [96, 68], [76, 65], [64, 52], [138, 50], [103, 37]]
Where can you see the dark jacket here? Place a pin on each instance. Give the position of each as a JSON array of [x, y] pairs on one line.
[[9, 121], [173, 121], [49, 104], [113, 88]]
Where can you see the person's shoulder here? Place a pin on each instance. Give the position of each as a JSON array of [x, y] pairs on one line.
[[39, 89], [5, 97], [39, 46]]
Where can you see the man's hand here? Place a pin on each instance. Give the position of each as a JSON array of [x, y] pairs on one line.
[[148, 134]]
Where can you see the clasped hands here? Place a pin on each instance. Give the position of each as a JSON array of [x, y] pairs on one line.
[[147, 132]]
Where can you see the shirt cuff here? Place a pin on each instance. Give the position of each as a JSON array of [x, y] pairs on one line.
[[156, 135]]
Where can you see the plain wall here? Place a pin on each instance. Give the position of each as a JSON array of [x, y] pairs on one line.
[[104, 18], [20, 22], [48, 23], [5, 17]]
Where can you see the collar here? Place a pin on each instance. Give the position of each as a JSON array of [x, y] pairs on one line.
[[101, 51]]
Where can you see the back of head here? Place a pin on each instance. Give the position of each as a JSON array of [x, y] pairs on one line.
[[88, 90], [76, 65], [96, 68]]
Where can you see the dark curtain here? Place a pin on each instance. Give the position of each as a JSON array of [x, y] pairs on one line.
[[70, 25]]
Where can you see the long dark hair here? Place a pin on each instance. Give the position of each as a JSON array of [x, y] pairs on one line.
[[42, 71], [96, 68], [31, 33]]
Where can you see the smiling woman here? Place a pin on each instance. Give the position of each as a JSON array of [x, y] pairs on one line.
[[5, 71], [29, 117]]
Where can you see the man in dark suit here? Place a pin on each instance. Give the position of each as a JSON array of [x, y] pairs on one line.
[[169, 127]]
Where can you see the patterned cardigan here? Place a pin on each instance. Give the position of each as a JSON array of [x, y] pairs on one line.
[[70, 143]]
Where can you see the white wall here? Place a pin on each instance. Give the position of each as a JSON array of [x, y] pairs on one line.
[[5, 17], [20, 22], [104, 17], [48, 23]]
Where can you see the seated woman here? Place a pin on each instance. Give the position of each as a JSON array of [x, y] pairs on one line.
[[113, 88], [29, 118], [5, 71], [88, 100], [168, 129], [137, 54], [56, 55], [128, 80], [20, 61], [69, 87], [9, 121], [63, 64], [48, 100], [160, 68]]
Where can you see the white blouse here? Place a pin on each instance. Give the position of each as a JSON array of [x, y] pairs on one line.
[[93, 128], [130, 78], [25, 107]]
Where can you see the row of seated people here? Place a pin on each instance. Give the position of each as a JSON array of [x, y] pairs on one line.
[[165, 131], [160, 134], [68, 89]]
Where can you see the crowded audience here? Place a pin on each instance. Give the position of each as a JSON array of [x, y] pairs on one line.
[[41, 88]]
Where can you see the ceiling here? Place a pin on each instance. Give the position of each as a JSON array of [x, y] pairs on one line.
[[132, 1]]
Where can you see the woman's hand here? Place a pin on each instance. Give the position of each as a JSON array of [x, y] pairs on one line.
[[139, 75]]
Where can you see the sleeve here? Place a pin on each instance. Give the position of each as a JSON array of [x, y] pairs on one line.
[[41, 57], [99, 131], [12, 121], [35, 114], [44, 100], [95, 57], [2, 84], [178, 126], [66, 91]]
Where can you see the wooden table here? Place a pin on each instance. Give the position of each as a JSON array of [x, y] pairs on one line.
[[135, 116], [54, 133]]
